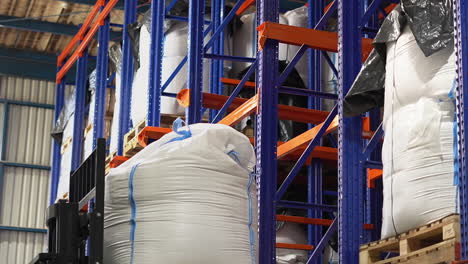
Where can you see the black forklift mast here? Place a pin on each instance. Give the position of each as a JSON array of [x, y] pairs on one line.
[[75, 236]]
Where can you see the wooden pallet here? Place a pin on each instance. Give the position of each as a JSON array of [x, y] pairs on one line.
[[430, 244], [66, 144], [131, 146], [108, 161]]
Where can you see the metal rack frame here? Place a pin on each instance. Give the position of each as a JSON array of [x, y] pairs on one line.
[[359, 204]]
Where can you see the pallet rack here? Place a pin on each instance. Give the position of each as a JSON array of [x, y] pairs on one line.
[[358, 201]]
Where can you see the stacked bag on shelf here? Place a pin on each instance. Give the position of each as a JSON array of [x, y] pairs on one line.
[[189, 197], [63, 135], [245, 45], [108, 111], [175, 49], [115, 63], [412, 71], [418, 151]]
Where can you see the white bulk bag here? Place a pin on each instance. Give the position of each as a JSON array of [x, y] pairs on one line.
[[114, 133], [245, 41], [66, 159], [418, 150], [298, 17], [189, 197], [175, 49], [291, 233]]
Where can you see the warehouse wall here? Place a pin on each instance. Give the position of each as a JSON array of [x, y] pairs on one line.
[[26, 118]]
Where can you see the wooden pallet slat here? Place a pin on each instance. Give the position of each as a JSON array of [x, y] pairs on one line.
[[432, 243]]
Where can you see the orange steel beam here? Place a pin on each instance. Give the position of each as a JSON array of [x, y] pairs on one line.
[[303, 139], [299, 143], [328, 6], [312, 221], [81, 32], [316, 39], [388, 9], [236, 82], [372, 175], [86, 40], [117, 160], [241, 112], [319, 152], [294, 246], [285, 112], [244, 6], [152, 133], [211, 101]]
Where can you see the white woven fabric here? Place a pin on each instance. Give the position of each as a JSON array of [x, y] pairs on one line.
[[189, 200]]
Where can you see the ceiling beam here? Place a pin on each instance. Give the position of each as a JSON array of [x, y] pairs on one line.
[[30, 64], [119, 5], [44, 26]]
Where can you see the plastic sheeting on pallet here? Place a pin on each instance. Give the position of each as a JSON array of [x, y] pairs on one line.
[[418, 150], [189, 197]]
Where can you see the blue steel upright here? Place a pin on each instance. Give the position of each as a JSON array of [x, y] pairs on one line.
[[127, 74], [215, 73], [350, 180], [56, 154], [267, 134], [314, 171], [156, 59], [195, 60], [101, 81], [78, 119], [461, 44]]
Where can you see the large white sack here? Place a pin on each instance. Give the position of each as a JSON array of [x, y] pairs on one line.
[[65, 162], [245, 41], [291, 233], [116, 116], [298, 17], [88, 134], [175, 49], [181, 201], [417, 154]]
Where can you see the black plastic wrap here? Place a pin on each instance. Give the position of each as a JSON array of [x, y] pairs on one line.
[[431, 24], [287, 129]]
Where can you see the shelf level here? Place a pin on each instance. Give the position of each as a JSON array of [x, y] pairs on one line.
[[316, 39]]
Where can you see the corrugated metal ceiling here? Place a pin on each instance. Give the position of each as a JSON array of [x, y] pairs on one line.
[[45, 10]]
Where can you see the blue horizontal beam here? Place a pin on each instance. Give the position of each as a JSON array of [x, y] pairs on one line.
[[23, 229], [24, 165], [229, 58], [307, 92], [373, 164], [14, 102], [44, 26], [301, 205]]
